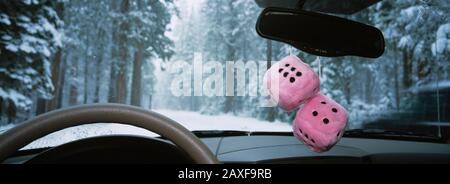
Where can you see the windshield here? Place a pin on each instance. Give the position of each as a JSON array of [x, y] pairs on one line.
[[201, 63]]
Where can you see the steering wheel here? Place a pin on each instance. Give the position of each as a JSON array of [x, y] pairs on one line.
[[25, 133]]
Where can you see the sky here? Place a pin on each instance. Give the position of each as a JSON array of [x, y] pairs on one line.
[[185, 7]]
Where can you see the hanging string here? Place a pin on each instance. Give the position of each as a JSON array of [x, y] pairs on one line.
[[319, 67]]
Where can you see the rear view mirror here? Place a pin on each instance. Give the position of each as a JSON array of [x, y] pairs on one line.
[[320, 34]]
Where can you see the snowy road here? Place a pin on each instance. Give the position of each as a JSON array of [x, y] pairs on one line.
[[191, 120]]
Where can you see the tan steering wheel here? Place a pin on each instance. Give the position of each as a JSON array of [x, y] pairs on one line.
[[23, 134]]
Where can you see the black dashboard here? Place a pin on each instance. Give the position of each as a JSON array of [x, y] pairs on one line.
[[286, 149], [277, 149]]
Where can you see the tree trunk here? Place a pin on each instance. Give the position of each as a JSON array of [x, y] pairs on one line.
[[112, 97], [231, 56], [423, 70], [41, 106], [347, 91], [98, 72], [137, 77], [150, 102], [121, 90], [56, 80], [73, 95], [12, 111], [244, 50], [98, 68], [369, 87], [269, 54], [86, 77], [73, 89], [407, 70], [62, 80], [229, 100], [271, 110], [86, 71], [396, 86], [396, 73], [118, 68]]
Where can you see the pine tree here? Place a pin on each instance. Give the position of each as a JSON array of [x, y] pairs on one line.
[[29, 36], [148, 24]]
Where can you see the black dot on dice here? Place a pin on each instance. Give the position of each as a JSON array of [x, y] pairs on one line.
[[300, 130], [312, 140], [280, 70], [306, 135], [334, 110], [292, 69], [323, 102], [292, 79], [326, 121], [285, 74], [315, 113], [298, 74], [339, 133], [286, 65]]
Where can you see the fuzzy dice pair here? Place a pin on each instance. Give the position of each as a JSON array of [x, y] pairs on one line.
[[320, 121]]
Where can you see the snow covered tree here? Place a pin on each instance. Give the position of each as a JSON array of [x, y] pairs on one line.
[[141, 24], [29, 36], [408, 25], [228, 36], [441, 50], [148, 21], [409, 28], [86, 51]]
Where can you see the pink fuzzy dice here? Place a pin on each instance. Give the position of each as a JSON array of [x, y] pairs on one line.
[[320, 123], [290, 82]]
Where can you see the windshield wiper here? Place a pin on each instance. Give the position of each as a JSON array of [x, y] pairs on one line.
[[391, 134]]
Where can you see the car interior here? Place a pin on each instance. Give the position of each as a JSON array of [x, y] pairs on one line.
[[318, 28]]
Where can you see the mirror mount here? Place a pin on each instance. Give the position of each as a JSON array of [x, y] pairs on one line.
[[292, 4]]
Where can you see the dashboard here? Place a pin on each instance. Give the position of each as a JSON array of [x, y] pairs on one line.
[[287, 149], [276, 149]]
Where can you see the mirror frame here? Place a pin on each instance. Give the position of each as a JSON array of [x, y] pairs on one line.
[[315, 51]]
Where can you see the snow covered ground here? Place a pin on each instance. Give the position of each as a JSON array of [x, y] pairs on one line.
[[191, 120]]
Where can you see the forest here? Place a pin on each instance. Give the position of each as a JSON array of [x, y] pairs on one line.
[[61, 53]]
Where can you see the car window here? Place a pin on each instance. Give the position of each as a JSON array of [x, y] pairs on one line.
[[202, 63]]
